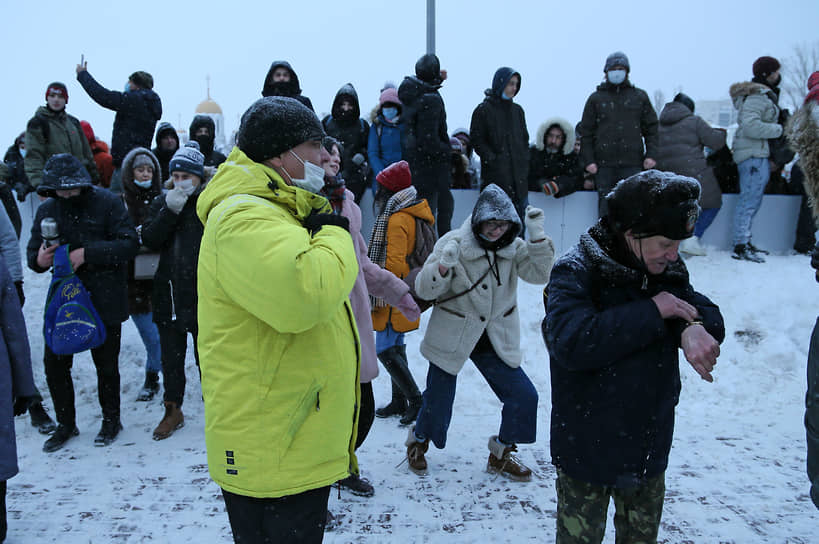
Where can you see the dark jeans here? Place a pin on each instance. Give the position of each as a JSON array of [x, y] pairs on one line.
[[106, 359], [446, 207], [812, 415], [511, 385], [3, 523], [805, 228], [366, 413], [173, 340], [607, 177], [294, 518]]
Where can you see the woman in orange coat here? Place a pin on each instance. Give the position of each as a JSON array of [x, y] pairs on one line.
[[397, 206]]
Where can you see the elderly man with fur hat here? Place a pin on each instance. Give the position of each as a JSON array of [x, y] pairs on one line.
[[138, 109], [278, 344], [619, 307]]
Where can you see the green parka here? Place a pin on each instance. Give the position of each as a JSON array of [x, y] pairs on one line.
[[51, 132], [278, 343]]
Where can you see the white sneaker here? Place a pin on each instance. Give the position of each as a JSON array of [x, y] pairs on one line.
[[691, 246]]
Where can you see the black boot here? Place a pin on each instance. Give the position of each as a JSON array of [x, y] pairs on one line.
[[357, 485], [108, 433], [395, 361], [150, 388], [62, 435], [40, 419], [397, 406], [743, 253]]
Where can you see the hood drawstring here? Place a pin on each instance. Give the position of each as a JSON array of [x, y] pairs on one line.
[[493, 265]]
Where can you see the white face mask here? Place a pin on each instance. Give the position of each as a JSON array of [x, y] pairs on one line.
[[144, 184], [616, 77], [313, 180], [185, 185], [22, 152]]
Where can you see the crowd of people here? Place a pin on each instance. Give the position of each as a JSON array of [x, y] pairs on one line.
[[259, 256]]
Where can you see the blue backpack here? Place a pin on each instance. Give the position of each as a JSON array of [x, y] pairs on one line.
[[71, 324]]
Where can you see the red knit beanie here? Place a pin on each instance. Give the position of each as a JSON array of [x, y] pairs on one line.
[[57, 88], [813, 88], [396, 177]]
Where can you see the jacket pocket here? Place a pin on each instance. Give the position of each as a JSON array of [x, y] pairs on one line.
[[308, 403], [445, 330]]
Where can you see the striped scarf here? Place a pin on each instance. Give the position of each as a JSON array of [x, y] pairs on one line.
[[377, 251]]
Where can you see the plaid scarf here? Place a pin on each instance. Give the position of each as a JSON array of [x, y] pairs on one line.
[[377, 251]]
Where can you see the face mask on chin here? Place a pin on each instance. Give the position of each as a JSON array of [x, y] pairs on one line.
[[313, 180], [144, 184]]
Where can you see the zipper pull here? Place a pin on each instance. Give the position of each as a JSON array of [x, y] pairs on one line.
[[645, 283], [318, 402]]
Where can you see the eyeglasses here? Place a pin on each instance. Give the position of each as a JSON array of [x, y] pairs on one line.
[[494, 225]]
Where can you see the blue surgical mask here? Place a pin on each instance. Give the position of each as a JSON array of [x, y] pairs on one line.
[[389, 113], [503, 95], [144, 184], [616, 77], [313, 180], [127, 87], [22, 152]]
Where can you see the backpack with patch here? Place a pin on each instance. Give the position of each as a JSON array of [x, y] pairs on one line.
[[425, 238], [71, 324]]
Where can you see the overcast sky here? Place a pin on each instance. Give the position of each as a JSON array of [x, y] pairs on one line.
[[558, 47]]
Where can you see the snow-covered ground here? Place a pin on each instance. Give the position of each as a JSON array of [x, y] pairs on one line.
[[736, 473]]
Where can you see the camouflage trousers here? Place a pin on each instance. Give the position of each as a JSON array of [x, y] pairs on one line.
[[582, 508]]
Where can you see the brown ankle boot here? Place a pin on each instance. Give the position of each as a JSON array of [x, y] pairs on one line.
[[415, 453], [171, 421], [501, 461]]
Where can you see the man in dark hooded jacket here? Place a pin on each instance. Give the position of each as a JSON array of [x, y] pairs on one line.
[[138, 110], [498, 133], [203, 132], [281, 80], [17, 169], [426, 142], [618, 120], [619, 307], [167, 142], [345, 125]]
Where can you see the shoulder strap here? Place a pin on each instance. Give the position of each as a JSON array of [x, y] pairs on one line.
[[42, 123], [62, 264], [462, 293]]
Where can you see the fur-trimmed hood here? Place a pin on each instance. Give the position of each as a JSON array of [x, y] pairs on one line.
[[128, 184], [803, 134], [565, 126], [742, 90]]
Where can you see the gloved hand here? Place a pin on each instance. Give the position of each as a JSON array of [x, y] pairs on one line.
[[175, 200], [20, 294], [550, 188], [21, 405], [21, 190], [358, 159], [317, 219], [450, 254], [534, 223], [408, 307]]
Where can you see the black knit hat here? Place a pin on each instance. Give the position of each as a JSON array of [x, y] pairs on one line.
[[618, 58], [63, 171], [274, 124], [188, 159], [653, 203], [143, 79], [765, 66], [685, 100]]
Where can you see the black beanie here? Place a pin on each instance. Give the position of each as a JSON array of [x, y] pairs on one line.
[[765, 66], [274, 124], [143, 79], [653, 203], [62, 172], [685, 100], [618, 58]]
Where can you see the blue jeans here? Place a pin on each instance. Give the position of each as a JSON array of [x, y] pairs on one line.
[[388, 338], [511, 385], [812, 415], [753, 177], [150, 338], [707, 217]]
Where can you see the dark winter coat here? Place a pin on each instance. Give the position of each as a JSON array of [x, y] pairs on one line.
[[51, 132], [138, 201], [163, 156], [682, 136], [98, 222], [177, 239], [498, 134], [426, 143], [17, 171], [16, 379], [614, 361], [384, 143], [138, 111], [290, 88], [617, 119], [563, 167], [212, 157], [353, 132]]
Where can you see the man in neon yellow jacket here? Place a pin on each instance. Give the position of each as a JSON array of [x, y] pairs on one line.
[[278, 343]]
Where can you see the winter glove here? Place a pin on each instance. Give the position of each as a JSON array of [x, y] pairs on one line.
[[358, 159], [22, 190], [534, 224], [450, 254], [317, 219], [550, 188], [175, 200], [21, 405], [408, 307], [20, 294]]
